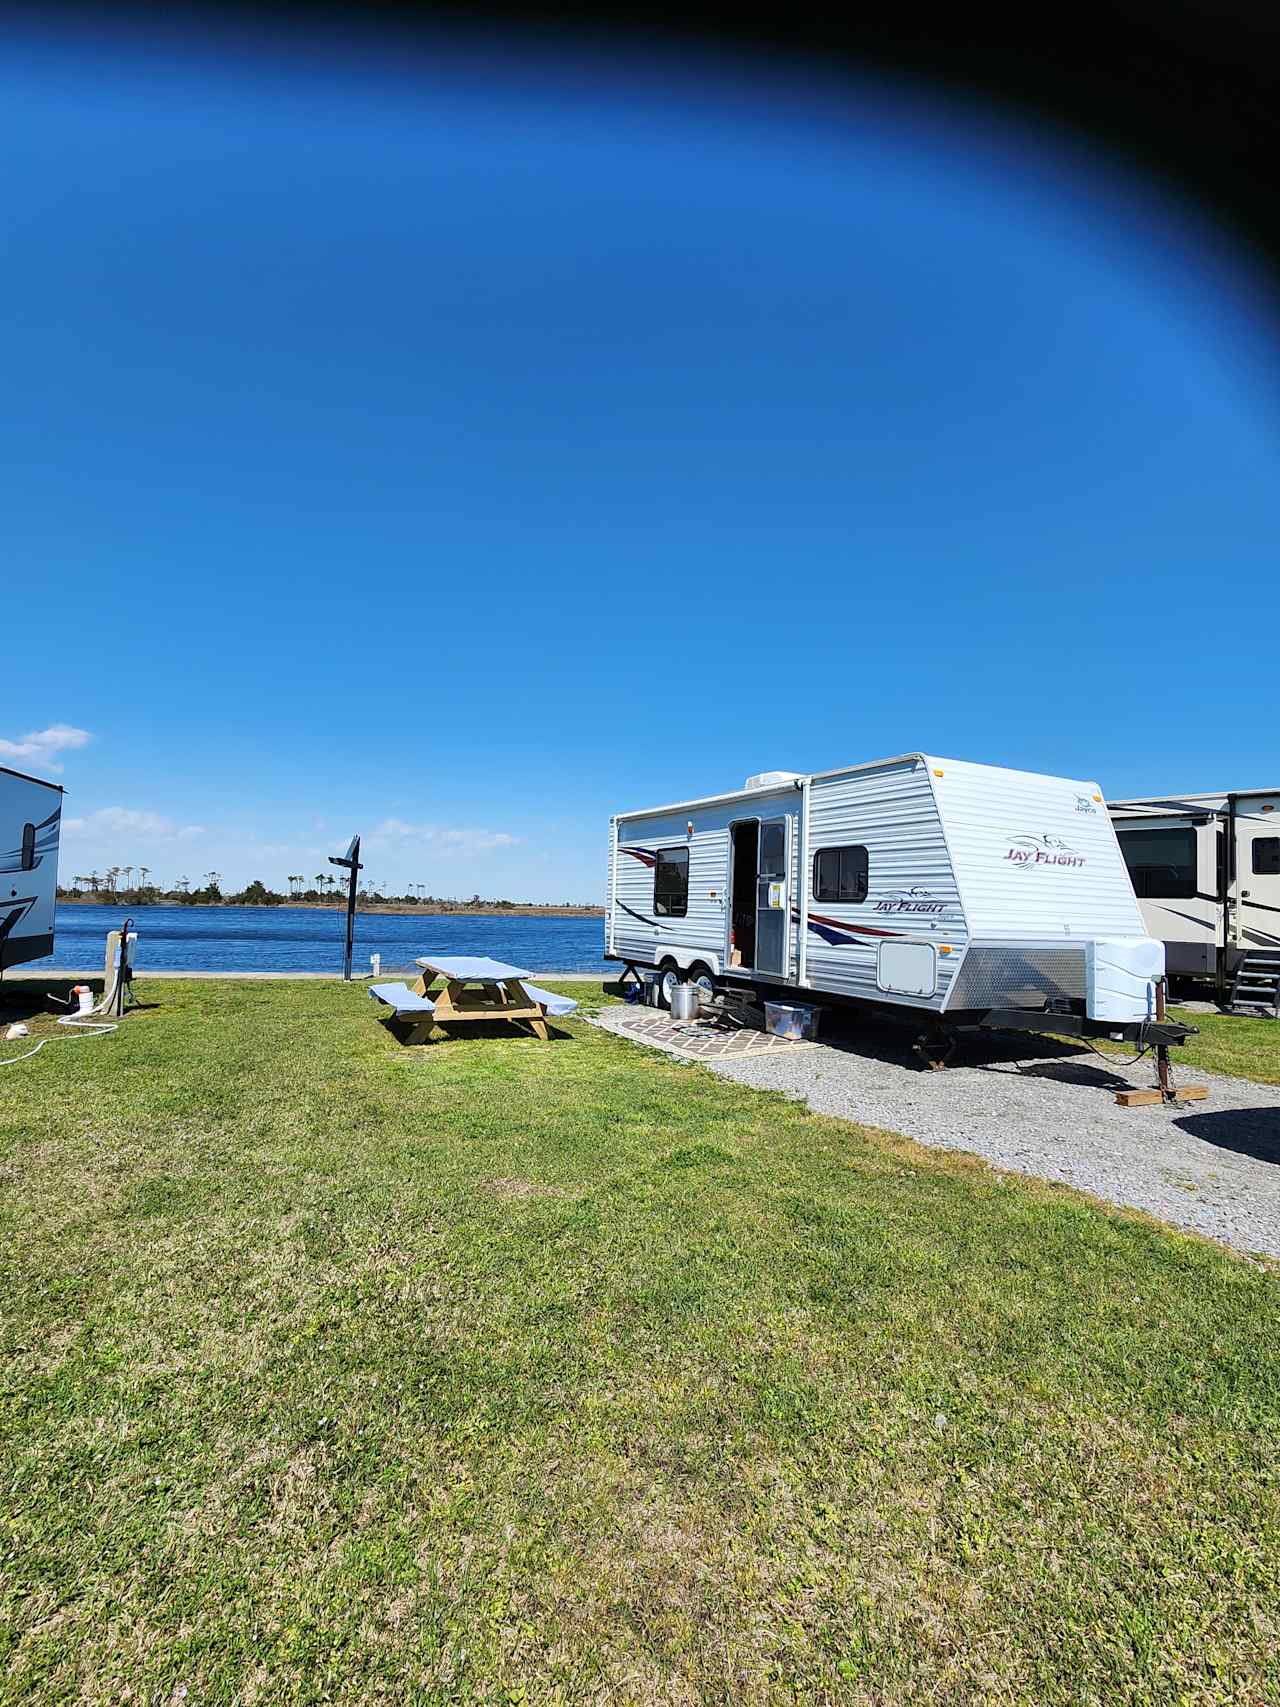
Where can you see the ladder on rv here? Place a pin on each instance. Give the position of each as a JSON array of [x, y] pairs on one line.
[[1255, 984]]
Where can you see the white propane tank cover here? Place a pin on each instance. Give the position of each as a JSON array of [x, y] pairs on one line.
[[1121, 973]]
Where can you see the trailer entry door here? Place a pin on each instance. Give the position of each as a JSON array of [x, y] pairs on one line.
[[772, 899]]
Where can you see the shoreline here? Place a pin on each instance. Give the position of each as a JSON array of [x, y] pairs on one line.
[[517, 910]]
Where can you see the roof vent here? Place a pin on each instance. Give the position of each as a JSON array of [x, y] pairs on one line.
[[773, 779]]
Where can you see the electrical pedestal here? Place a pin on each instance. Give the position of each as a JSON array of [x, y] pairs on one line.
[[117, 976]]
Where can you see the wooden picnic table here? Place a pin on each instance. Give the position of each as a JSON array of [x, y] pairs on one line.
[[477, 988]]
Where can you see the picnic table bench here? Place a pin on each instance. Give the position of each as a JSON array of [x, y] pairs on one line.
[[475, 988]]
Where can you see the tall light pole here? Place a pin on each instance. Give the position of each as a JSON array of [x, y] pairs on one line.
[[351, 861]]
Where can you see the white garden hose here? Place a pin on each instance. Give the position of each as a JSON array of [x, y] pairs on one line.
[[83, 1022]]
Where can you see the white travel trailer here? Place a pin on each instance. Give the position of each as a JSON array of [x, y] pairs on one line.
[[968, 894], [30, 815], [1206, 869]]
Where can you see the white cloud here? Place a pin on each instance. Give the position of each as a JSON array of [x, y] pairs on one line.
[[125, 820], [41, 746], [440, 838]]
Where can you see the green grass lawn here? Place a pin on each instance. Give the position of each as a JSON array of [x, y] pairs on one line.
[[498, 1371], [1230, 1043], [1225, 1043]]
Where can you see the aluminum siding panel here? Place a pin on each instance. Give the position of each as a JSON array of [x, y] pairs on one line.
[[637, 932], [911, 890], [1036, 857], [611, 888]]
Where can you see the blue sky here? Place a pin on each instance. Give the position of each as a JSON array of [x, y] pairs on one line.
[[461, 451]]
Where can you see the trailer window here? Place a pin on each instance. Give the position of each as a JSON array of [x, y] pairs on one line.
[[840, 874], [1162, 863], [1266, 856], [671, 883], [28, 847]]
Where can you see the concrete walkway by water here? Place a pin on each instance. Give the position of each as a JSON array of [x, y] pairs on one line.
[[59, 974]]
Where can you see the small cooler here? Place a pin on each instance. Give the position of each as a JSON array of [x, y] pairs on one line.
[[796, 1020]]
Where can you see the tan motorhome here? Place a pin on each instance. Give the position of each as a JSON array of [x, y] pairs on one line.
[[1206, 871]]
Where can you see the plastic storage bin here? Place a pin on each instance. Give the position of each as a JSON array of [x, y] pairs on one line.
[[796, 1020]]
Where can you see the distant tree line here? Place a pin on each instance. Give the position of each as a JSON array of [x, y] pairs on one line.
[[117, 884]]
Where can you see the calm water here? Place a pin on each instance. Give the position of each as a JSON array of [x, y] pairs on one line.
[[296, 939]]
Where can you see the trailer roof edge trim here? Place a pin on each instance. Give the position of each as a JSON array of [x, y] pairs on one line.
[[1189, 805], [1173, 799], [789, 786], [24, 776]]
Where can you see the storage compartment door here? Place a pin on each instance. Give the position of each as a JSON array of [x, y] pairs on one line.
[[907, 968]]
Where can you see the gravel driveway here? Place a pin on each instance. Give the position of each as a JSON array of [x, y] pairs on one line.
[[1048, 1110]]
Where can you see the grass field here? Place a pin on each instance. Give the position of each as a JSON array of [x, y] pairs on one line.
[[506, 1372], [1229, 1043], [1225, 1043]]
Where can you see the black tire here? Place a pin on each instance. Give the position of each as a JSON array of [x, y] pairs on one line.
[[702, 976], [669, 973]]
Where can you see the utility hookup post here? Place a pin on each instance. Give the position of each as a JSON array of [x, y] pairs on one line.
[[117, 979], [351, 861]]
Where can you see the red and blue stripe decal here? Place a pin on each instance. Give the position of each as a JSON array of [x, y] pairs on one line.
[[835, 932], [650, 860], [838, 934], [644, 920]]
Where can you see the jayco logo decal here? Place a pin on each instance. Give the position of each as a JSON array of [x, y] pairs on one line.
[[1084, 804], [909, 901], [1042, 850]]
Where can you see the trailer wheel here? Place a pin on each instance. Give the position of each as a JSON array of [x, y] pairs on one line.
[[701, 976], [669, 977]]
